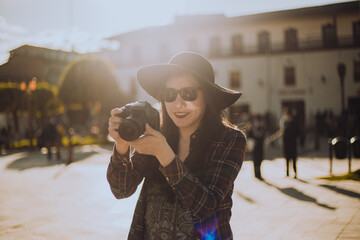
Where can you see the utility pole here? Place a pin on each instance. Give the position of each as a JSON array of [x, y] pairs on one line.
[[341, 68]]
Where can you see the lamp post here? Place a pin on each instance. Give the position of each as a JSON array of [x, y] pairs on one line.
[[341, 68], [29, 87]]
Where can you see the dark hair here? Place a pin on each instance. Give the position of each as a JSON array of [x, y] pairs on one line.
[[207, 132]]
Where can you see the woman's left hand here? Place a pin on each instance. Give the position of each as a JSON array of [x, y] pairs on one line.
[[154, 143]]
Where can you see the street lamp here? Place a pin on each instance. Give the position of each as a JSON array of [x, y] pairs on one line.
[[341, 68], [29, 87]]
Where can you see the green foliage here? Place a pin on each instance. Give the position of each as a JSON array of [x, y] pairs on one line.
[[75, 140], [11, 99], [42, 100], [90, 81]]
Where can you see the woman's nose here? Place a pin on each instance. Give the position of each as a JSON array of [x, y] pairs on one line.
[[179, 102]]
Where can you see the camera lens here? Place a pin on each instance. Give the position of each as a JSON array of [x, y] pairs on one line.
[[129, 130]]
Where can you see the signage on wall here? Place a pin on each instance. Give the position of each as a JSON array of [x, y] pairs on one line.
[[285, 92]]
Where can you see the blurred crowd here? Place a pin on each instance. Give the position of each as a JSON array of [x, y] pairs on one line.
[[52, 132], [330, 125], [323, 124], [288, 133], [261, 130]]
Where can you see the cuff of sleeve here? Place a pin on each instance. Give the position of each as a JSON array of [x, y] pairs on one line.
[[120, 159], [174, 172]]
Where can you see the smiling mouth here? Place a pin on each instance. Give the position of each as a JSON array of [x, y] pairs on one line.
[[180, 114]]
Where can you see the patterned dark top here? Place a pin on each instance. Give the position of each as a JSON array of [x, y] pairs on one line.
[[202, 209]]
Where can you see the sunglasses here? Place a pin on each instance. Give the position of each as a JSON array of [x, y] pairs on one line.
[[188, 94]]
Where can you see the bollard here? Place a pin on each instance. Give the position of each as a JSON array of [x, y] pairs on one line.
[[355, 146], [330, 154], [341, 147], [70, 134]]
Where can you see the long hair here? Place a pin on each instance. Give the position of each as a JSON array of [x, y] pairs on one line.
[[212, 124]]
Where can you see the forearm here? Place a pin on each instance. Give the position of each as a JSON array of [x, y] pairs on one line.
[[121, 148], [122, 176]]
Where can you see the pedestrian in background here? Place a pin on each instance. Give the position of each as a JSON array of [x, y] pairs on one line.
[[4, 139], [50, 137], [189, 165], [290, 131]]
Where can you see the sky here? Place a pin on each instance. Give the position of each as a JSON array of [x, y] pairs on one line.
[[82, 25]]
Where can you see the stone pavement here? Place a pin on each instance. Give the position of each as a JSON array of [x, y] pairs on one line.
[[52, 200]]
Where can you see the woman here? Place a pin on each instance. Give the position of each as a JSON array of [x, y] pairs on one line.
[[190, 165]]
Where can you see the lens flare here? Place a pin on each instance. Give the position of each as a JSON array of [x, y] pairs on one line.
[[208, 230]]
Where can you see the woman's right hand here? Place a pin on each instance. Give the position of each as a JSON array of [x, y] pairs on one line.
[[114, 122]]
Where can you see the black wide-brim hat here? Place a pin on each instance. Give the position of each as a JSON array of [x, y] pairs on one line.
[[153, 77]]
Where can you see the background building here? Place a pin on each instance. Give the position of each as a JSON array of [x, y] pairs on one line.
[[283, 58], [25, 64]]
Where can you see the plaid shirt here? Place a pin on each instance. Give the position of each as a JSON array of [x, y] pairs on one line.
[[208, 199]]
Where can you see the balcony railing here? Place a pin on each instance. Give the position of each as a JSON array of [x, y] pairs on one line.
[[302, 45]]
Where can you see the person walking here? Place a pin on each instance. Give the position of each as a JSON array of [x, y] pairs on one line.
[[290, 131], [190, 165], [257, 133], [50, 137]]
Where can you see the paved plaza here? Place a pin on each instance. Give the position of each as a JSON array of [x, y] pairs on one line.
[[51, 200]]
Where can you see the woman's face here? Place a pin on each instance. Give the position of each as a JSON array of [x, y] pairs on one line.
[[186, 115]]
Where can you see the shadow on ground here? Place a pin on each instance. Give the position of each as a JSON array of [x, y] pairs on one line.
[[336, 189], [294, 193], [246, 198], [38, 160]]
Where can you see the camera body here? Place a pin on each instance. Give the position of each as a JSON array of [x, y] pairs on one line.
[[135, 116]]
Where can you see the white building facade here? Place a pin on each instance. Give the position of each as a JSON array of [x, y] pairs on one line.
[[285, 58]]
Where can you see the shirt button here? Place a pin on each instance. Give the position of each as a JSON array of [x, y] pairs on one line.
[[167, 179], [124, 164]]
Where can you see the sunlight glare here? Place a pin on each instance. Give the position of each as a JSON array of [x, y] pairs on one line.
[[110, 139]]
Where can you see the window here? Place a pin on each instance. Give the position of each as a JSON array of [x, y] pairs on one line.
[[356, 33], [357, 71], [291, 39], [263, 42], [235, 81], [215, 46], [329, 35], [290, 76], [237, 44]]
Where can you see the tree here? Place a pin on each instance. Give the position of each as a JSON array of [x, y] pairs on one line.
[[12, 100], [89, 84], [42, 101], [45, 101]]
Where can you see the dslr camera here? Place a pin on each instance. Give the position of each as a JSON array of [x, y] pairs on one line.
[[135, 116]]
